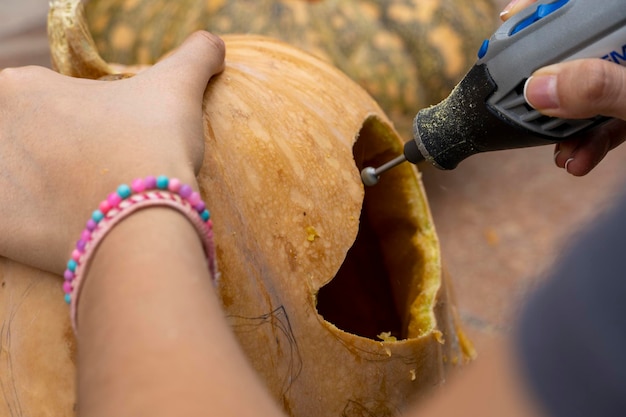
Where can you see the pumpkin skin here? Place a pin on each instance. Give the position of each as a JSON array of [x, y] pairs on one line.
[[407, 54], [291, 220]]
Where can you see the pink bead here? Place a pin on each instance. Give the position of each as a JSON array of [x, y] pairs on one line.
[[174, 185], [114, 199], [150, 182], [68, 275], [209, 224], [104, 206], [138, 185], [76, 254], [85, 235], [67, 287], [194, 198]]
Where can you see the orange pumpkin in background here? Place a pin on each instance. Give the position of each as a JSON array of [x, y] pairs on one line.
[[335, 293], [407, 54]]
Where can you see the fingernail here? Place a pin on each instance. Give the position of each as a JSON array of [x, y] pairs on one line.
[[567, 163], [507, 9], [556, 154], [540, 92]]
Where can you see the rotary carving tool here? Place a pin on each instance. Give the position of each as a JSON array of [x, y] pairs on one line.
[[487, 110]]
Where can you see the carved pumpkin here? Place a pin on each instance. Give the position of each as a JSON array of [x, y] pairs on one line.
[[336, 294], [407, 54]]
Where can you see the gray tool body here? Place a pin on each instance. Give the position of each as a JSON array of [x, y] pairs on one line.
[[487, 110]]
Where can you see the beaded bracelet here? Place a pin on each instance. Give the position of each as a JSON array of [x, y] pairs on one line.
[[143, 192]]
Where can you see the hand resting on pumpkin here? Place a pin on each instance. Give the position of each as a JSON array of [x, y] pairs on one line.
[[579, 89], [65, 143], [152, 338]]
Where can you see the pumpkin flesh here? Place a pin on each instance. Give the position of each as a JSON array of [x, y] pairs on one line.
[[384, 271]]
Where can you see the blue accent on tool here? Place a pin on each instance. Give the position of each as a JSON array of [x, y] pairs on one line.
[[483, 49], [542, 11]]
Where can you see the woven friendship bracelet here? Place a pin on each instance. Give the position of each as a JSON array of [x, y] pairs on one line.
[[142, 193]]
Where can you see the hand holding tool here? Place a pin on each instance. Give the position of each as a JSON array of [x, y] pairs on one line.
[[487, 110]]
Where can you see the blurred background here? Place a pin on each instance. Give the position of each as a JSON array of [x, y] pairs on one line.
[[502, 218]]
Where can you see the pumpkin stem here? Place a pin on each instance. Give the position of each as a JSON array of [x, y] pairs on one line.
[[72, 47]]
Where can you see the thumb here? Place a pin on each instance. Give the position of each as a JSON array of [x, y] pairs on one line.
[[579, 89], [192, 64]]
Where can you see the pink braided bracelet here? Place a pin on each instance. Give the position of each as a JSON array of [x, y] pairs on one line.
[[143, 192]]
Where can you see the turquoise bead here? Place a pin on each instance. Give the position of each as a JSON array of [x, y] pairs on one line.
[[206, 215], [162, 182], [71, 265], [124, 191], [97, 216], [68, 298]]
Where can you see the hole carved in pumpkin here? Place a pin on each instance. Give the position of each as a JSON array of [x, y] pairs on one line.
[[373, 291]]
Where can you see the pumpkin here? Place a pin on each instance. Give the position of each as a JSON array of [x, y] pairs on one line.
[[407, 54], [336, 294]]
